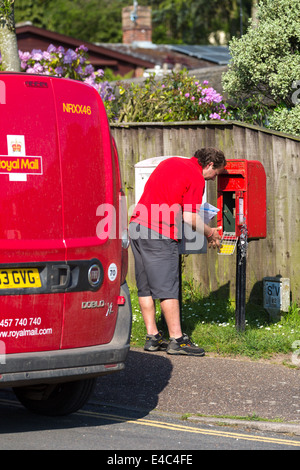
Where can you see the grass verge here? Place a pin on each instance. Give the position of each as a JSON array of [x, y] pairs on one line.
[[210, 322]]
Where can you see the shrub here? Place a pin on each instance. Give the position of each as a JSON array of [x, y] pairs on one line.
[[266, 61], [177, 97], [286, 120]]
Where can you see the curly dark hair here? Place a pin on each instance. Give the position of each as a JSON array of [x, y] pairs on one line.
[[210, 154]]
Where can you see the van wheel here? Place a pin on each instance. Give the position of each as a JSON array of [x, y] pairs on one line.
[[55, 399]]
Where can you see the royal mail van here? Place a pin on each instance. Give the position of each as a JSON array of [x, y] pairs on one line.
[[65, 313]]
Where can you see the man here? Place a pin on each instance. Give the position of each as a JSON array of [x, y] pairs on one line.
[[172, 193]]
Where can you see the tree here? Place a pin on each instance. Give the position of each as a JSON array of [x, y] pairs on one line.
[[266, 60], [8, 40], [192, 21], [173, 21], [87, 20]]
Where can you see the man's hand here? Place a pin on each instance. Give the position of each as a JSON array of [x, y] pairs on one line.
[[196, 222], [213, 238]]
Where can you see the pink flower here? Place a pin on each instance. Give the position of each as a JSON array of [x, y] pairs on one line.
[[24, 55], [51, 48], [214, 116], [37, 54]]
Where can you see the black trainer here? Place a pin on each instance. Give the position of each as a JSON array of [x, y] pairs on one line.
[[184, 346], [155, 342]]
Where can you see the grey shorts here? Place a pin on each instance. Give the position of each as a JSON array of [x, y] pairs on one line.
[[156, 263]]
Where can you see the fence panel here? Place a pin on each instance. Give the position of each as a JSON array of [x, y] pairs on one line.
[[279, 253]]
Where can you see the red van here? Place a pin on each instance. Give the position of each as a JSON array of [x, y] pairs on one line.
[[65, 312]]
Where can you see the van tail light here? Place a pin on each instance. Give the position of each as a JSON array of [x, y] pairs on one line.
[[121, 300], [124, 235]]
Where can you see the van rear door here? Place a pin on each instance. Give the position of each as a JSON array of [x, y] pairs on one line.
[[31, 223], [89, 182]]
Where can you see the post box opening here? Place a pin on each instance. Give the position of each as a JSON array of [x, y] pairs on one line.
[[229, 212], [242, 199]]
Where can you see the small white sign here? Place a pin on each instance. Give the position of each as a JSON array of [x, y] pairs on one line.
[[112, 272]]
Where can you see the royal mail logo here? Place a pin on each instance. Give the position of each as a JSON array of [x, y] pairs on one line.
[[16, 163], [27, 165]]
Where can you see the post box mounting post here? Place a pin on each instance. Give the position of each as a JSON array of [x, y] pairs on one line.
[[241, 264]]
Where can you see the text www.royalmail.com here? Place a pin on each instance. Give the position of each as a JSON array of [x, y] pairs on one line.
[[24, 332]]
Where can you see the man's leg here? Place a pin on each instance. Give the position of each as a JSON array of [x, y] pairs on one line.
[[171, 311], [154, 339], [147, 306], [179, 343]]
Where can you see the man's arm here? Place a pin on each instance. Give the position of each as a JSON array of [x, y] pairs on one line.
[[196, 222]]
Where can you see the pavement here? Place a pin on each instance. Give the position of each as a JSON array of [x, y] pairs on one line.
[[209, 389]]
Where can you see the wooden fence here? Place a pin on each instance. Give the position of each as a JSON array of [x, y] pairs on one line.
[[279, 253]]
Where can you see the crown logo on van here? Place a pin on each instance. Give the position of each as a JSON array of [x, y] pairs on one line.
[[16, 146]]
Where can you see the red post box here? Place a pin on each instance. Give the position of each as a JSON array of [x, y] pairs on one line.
[[242, 217], [242, 199]]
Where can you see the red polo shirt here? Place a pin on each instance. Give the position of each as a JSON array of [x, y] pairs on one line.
[[176, 185]]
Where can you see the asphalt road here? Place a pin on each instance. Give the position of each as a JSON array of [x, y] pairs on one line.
[[148, 439], [140, 409]]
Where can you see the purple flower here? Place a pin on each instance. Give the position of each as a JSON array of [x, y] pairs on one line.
[[210, 95], [24, 55], [214, 116], [46, 55], [70, 56], [187, 95], [59, 70], [79, 70], [90, 81], [99, 73], [82, 48], [38, 68], [51, 48], [89, 69], [61, 51], [37, 54]]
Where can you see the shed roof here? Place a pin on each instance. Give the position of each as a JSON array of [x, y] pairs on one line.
[[217, 54]]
